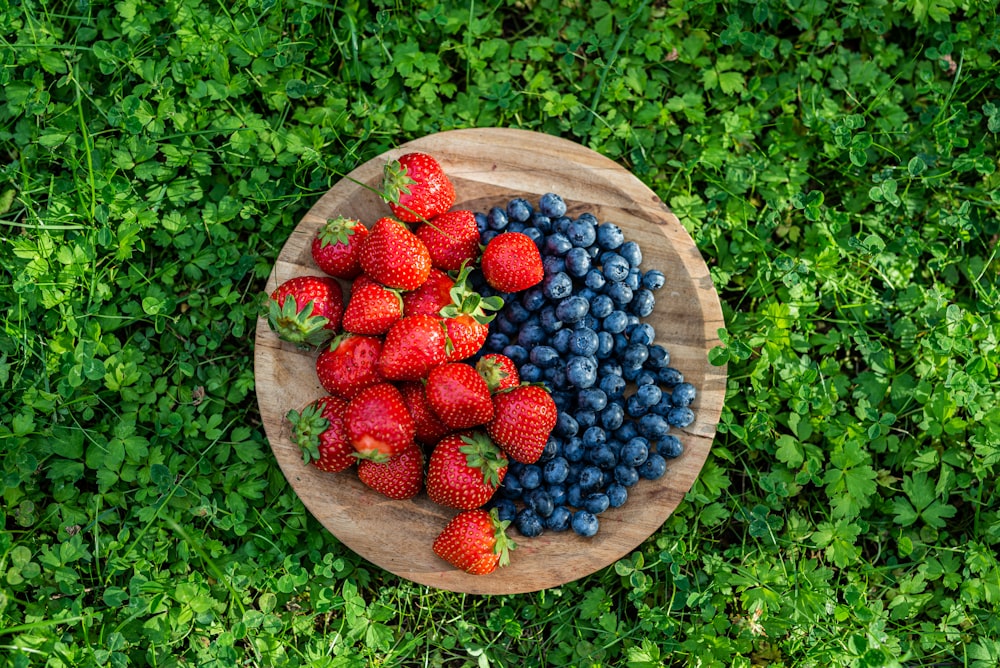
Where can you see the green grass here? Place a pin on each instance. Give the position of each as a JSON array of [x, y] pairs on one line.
[[836, 164]]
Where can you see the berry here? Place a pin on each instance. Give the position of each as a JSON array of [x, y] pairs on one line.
[[522, 421], [378, 424], [465, 470], [585, 523], [349, 364], [335, 247], [683, 394], [475, 541], [459, 396], [559, 519], [552, 205], [416, 187], [400, 477], [319, 431], [428, 428], [412, 347], [372, 308], [511, 262], [432, 296], [306, 310], [451, 238], [529, 523], [393, 255], [654, 467], [499, 372]]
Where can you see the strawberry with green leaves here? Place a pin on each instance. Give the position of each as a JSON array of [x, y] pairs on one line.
[[335, 247], [416, 187], [467, 318], [378, 424], [511, 262], [306, 310], [431, 297], [499, 371], [475, 541], [459, 395], [412, 347], [465, 470], [393, 255], [452, 239], [349, 364], [319, 430], [523, 419], [400, 477], [371, 308]]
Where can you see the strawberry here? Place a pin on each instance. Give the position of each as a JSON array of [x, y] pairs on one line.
[[431, 297], [523, 418], [372, 307], [465, 470], [349, 364], [452, 239], [393, 255], [511, 262], [319, 431], [335, 247], [467, 318], [401, 477], [306, 310], [458, 395], [475, 541], [499, 372], [378, 424], [416, 187], [427, 426], [413, 346]]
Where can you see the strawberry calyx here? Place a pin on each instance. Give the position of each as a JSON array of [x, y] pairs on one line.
[[396, 181], [298, 326], [337, 230], [493, 373], [503, 543], [483, 454], [307, 426], [465, 300]]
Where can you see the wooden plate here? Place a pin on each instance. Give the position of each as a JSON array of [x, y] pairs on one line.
[[489, 167]]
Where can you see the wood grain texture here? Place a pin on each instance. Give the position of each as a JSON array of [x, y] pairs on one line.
[[489, 167]]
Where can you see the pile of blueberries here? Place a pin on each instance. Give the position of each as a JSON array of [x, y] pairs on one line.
[[581, 333]]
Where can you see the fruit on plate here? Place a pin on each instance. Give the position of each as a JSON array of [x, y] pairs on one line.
[[393, 255], [371, 308], [451, 238], [511, 262], [400, 477], [467, 318], [379, 426], [499, 371], [318, 429], [349, 363], [427, 426], [335, 247], [465, 470], [475, 541], [523, 418], [458, 395], [431, 297], [306, 310], [412, 347], [416, 187]]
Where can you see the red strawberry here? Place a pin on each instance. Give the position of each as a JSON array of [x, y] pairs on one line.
[[401, 477], [499, 372], [452, 239], [378, 424], [523, 418], [349, 364], [372, 307], [306, 310], [465, 470], [428, 427], [431, 297], [319, 431], [511, 262], [393, 255], [475, 541], [335, 247], [459, 395], [468, 318], [416, 187], [413, 346]]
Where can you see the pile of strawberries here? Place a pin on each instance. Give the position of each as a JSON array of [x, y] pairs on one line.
[[405, 404]]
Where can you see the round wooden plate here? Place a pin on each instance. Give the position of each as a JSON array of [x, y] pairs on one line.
[[489, 167]]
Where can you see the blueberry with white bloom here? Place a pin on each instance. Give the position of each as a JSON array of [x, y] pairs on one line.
[[653, 279], [585, 523], [601, 306], [559, 519], [609, 236], [557, 286], [581, 371], [670, 446], [630, 251], [683, 394], [572, 309], [552, 205], [615, 268], [680, 416], [578, 262], [519, 209], [497, 219]]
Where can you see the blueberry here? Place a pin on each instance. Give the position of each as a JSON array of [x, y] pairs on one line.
[[596, 502], [585, 523], [530, 477], [582, 232], [602, 456], [482, 223], [620, 293], [531, 335], [529, 523], [601, 306], [544, 356], [516, 313], [644, 377], [581, 371], [530, 373], [615, 322], [578, 263], [635, 451], [573, 449], [631, 252], [574, 495], [560, 340], [617, 494], [584, 341], [653, 279], [553, 264], [591, 477], [643, 334], [557, 285], [670, 446], [573, 309], [557, 243], [548, 320], [634, 355], [552, 205], [680, 416], [663, 407], [653, 426], [556, 377], [626, 476], [540, 501], [605, 344], [506, 509], [558, 493], [594, 279], [519, 209], [632, 281], [511, 488], [552, 448], [533, 298], [541, 222], [592, 399], [669, 377], [659, 357], [532, 233], [615, 268], [517, 353], [515, 226], [586, 418], [497, 219], [497, 341], [561, 224], [643, 303], [648, 394], [654, 467], [559, 519], [612, 416], [503, 325], [488, 236], [634, 407], [626, 431], [609, 236], [593, 437], [683, 394], [613, 386], [555, 470]]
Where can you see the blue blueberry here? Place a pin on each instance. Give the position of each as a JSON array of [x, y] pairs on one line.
[[540, 501], [531, 335], [609, 236], [488, 236], [653, 279], [532, 233], [506, 509], [654, 467], [634, 407], [559, 519], [553, 264], [573, 309], [592, 399], [659, 357], [627, 476], [578, 263], [519, 209], [573, 449], [615, 322], [555, 471], [644, 377], [626, 431], [533, 298], [596, 502], [612, 416], [560, 340], [601, 306], [558, 493], [620, 293], [613, 386], [631, 252], [497, 341], [553, 446], [663, 407], [574, 495], [552, 205], [497, 219], [541, 222], [530, 373], [591, 478], [602, 456], [593, 437], [595, 279], [643, 303], [632, 281], [683, 394], [511, 487], [605, 344], [680, 416], [670, 446], [635, 451], [530, 477], [584, 341], [669, 377], [653, 426], [617, 494], [586, 418], [529, 523], [615, 268], [557, 285], [585, 523], [648, 394], [516, 313], [634, 355], [556, 377], [581, 371], [582, 232], [557, 243], [482, 223], [566, 425], [643, 334], [544, 356]]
